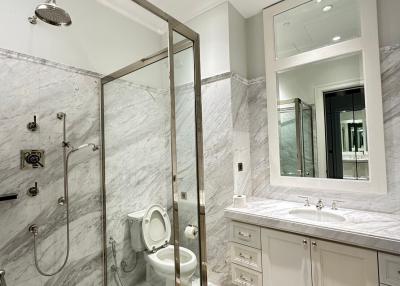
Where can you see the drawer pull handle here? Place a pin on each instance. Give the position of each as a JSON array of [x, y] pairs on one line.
[[248, 257], [245, 234], [245, 278]]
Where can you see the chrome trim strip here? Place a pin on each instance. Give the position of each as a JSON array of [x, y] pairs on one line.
[[103, 187], [158, 56], [175, 195], [200, 164]]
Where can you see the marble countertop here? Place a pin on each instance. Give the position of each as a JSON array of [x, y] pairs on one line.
[[372, 230]]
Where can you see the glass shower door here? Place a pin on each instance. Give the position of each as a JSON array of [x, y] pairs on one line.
[[188, 202], [152, 155]]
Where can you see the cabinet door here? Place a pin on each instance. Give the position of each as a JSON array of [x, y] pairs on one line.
[[286, 259], [336, 264]]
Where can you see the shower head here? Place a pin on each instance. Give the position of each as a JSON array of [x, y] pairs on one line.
[[94, 148], [50, 13], [91, 145]]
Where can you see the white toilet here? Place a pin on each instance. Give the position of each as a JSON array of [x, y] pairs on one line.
[[151, 231]]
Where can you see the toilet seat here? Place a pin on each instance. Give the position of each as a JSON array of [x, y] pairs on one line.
[[156, 228]]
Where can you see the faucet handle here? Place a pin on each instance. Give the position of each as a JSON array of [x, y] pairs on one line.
[[335, 203], [320, 204], [307, 200]]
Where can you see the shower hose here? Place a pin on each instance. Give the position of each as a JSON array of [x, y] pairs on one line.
[[124, 265], [61, 201]]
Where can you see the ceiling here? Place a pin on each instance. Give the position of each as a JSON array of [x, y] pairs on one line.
[[183, 10]]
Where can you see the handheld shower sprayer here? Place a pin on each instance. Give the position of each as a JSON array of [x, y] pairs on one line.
[[68, 149]]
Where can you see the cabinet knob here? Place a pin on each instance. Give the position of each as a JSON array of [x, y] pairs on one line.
[[305, 242], [314, 244]]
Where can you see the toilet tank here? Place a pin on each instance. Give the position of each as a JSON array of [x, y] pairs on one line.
[[135, 223]]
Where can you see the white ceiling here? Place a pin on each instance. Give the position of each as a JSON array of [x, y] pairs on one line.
[[183, 10]]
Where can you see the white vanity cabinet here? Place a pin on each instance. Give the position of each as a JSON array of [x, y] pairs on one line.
[[389, 269], [335, 264], [286, 258], [245, 253], [290, 259]]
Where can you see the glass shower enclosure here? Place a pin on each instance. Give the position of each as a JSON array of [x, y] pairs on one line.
[[152, 154], [297, 138]]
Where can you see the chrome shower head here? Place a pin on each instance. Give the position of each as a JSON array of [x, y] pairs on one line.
[[51, 14], [91, 145]]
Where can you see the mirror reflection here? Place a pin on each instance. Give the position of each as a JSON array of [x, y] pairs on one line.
[[315, 24], [322, 120]]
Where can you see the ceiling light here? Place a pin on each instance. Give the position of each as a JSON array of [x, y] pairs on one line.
[[318, 1], [336, 38], [327, 8]]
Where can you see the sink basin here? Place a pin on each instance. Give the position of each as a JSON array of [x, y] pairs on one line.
[[316, 215]]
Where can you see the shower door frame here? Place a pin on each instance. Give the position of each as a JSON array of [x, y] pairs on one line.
[[193, 41], [298, 109]]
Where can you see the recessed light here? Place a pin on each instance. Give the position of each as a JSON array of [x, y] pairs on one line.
[[327, 8], [336, 38], [318, 1]]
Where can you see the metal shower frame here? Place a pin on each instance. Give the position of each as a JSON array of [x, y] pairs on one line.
[[192, 42]]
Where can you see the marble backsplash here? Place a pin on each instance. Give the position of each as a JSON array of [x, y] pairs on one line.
[[31, 86]]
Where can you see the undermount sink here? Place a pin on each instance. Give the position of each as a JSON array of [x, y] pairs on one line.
[[317, 215]]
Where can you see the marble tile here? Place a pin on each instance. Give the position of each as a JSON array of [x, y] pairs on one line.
[[138, 156], [361, 228], [241, 136], [258, 135], [219, 180], [31, 86]]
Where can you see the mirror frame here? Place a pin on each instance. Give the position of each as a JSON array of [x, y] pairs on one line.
[[368, 45]]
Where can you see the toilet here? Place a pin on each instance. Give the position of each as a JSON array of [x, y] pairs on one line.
[[151, 232]]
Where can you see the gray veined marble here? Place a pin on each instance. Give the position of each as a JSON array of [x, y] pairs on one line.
[[372, 230], [28, 87], [137, 162]]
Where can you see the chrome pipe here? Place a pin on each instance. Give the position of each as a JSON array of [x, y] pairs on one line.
[[3, 278], [34, 229]]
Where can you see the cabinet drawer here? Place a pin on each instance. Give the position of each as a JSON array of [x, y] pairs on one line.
[[389, 269], [245, 234], [245, 276], [246, 256]]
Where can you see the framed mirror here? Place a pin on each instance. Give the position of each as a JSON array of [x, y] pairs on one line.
[[324, 95]]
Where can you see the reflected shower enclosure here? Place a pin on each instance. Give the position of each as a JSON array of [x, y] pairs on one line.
[[297, 138], [153, 201]]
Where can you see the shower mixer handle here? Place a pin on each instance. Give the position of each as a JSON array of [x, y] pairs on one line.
[[33, 126]]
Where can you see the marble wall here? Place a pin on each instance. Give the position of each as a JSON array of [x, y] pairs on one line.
[[31, 86], [138, 172], [390, 68], [227, 126]]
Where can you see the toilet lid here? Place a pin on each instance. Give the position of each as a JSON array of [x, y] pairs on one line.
[[156, 227]]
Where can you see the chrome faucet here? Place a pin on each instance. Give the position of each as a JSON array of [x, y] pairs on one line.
[[307, 200], [320, 205]]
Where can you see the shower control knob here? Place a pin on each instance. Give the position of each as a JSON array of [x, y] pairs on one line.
[[33, 126], [33, 191]]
